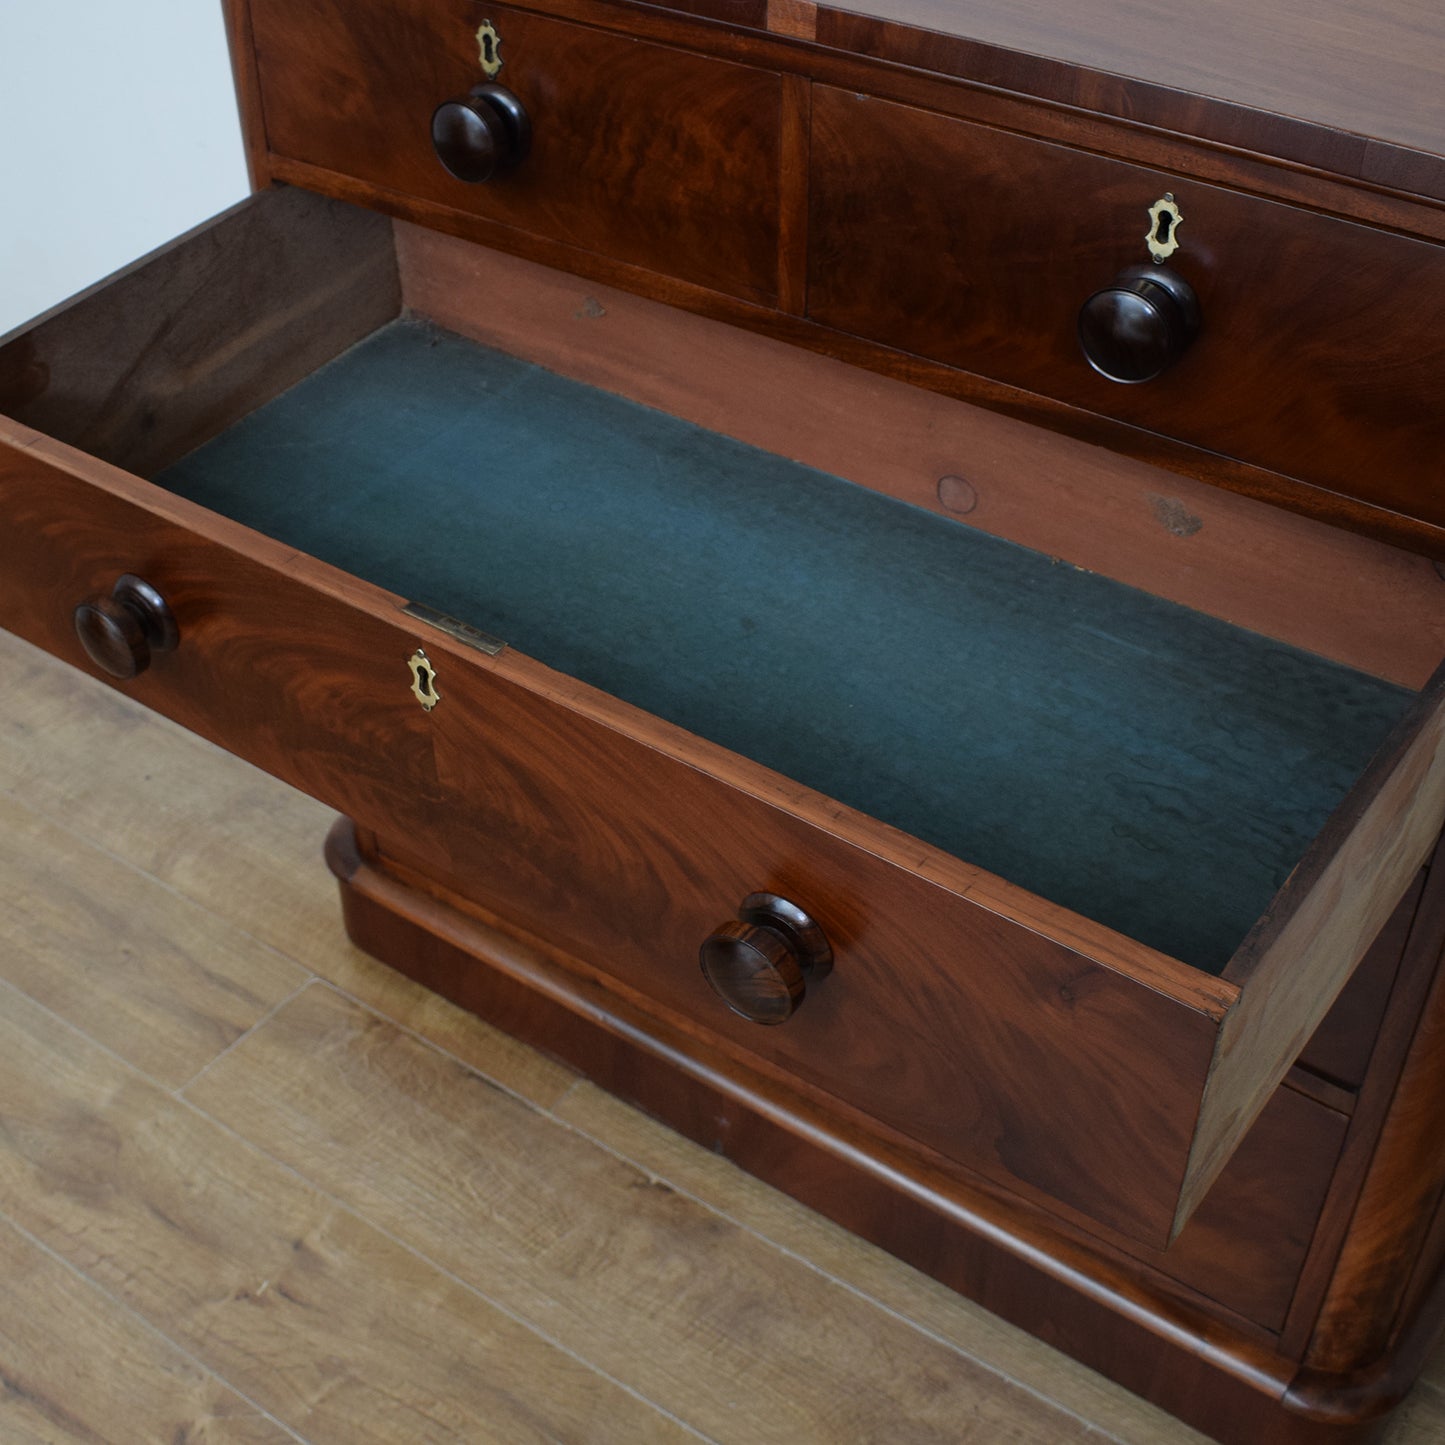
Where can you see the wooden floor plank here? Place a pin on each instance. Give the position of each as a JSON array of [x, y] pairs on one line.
[[861, 1266], [147, 1389], [1434, 1371], [724, 1331], [1421, 1420], [220, 832], [323, 1321], [162, 982]]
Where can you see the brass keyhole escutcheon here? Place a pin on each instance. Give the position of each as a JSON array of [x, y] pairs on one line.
[[1165, 219], [423, 680], [489, 45]]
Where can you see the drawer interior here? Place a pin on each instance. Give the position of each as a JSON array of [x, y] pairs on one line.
[[1149, 767]]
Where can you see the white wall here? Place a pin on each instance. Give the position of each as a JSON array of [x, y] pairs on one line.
[[118, 131]]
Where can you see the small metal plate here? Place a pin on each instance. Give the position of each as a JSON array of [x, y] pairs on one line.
[[489, 48], [423, 680], [462, 631], [1165, 219]]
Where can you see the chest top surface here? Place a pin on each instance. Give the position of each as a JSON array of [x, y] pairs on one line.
[[1354, 90]]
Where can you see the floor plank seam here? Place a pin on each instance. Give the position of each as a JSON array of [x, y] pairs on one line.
[[71, 1027], [652, 1176], [132, 1314], [376, 1011], [246, 1033], [353, 1212], [165, 884], [952, 1346]]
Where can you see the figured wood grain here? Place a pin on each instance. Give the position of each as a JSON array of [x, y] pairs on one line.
[[147, 1390], [646, 154], [1307, 166], [147, 365], [1316, 587], [142, 971], [1017, 234], [1324, 85], [1296, 960], [322, 701], [417, 1157], [322, 1320], [1244, 1249], [623, 852]]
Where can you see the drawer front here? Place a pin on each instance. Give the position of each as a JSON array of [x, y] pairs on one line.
[[1246, 1246], [1321, 353], [305, 685], [950, 1023], [639, 152]]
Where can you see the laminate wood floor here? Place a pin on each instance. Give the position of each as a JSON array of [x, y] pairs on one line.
[[254, 1187]]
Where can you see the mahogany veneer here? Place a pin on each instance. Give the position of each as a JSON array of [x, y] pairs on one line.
[[1218, 1189]]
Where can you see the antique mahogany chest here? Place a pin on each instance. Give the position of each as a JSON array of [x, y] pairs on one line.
[[867, 576]]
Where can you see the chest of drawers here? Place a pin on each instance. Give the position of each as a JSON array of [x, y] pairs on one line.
[[626, 540]]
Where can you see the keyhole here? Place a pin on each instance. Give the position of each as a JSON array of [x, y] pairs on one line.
[[488, 54], [1162, 227], [423, 680]]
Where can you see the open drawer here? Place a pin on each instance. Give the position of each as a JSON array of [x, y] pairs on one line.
[[1041, 818]]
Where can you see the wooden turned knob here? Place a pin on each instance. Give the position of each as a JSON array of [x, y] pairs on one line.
[[119, 632], [482, 136], [1139, 326], [760, 965]]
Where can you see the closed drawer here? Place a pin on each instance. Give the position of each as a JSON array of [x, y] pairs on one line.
[[1013, 1034], [1321, 352], [641, 153]]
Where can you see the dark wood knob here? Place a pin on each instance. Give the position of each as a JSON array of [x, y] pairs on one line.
[[485, 135], [1139, 326], [119, 632], [760, 964]]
